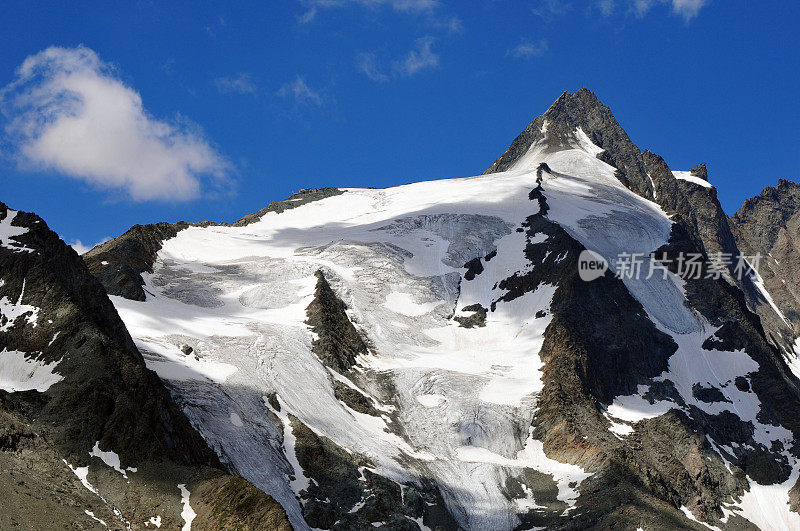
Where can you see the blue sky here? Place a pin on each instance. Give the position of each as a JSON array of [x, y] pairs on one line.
[[161, 111]]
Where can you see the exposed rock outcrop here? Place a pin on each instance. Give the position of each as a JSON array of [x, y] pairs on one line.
[[338, 343]]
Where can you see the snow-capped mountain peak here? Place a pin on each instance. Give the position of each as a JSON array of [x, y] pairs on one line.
[[429, 356]]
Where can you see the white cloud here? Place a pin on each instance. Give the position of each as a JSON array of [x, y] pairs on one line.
[[80, 248], [420, 58], [367, 63], [526, 50], [67, 111], [688, 9], [300, 93], [241, 83]]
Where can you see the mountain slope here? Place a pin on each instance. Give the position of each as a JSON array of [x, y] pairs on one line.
[[86, 428], [428, 356]]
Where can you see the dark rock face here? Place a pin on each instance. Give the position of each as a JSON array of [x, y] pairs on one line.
[[478, 317], [339, 342], [106, 396], [726, 306], [700, 171], [354, 399], [769, 224], [619, 327]]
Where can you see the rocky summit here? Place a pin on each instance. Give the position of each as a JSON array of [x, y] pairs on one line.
[[429, 356]]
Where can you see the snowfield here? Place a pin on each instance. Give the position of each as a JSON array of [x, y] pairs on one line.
[[238, 297]]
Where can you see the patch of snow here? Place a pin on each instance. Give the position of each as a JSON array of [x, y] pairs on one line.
[[653, 185], [767, 506], [793, 359], [539, 237], [187, 513], [82, 473], [568, 477], [528, 503], [692, 517], [300, 481], [54, 338], [418, 520], [358, 506], [759, 283], [687, 176], [635, 408], [9, 232], [14, 310], [20, 373], [91, 515], [620, 429], [154, 520], [111, 459], [586, 144]]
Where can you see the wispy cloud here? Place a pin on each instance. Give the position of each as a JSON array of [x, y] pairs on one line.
[[688, 9], [300, 93], [418, 59], [367, 63], [606, 7], [549, 9], [241, 83], [413, 6], [527, 50], [68, 111]]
